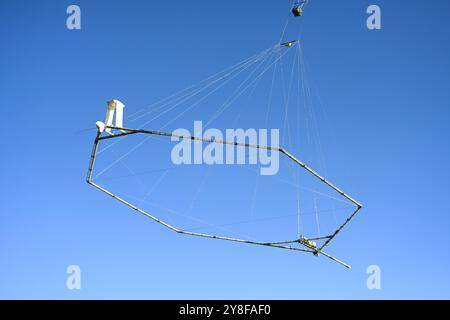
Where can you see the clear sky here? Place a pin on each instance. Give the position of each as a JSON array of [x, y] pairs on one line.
[[386, 97]]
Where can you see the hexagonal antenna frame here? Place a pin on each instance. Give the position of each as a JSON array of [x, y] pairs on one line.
[[307, 244]]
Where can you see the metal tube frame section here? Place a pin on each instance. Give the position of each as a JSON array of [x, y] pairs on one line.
[[281, 244]]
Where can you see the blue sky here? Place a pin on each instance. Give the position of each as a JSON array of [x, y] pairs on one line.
[[385, 94]]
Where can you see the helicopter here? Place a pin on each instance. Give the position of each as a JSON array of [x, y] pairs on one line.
[[297, 8]]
